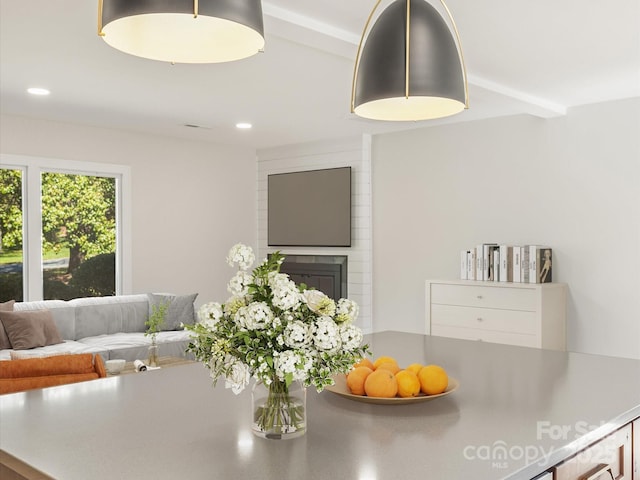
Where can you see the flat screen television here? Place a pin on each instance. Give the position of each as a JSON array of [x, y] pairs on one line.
[[310, 209]]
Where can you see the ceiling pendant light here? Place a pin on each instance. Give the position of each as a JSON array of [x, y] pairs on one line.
[[411, 67], [183, 31]]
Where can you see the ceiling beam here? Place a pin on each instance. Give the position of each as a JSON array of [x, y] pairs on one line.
[[308, 31], [309, 23], [533, 105]]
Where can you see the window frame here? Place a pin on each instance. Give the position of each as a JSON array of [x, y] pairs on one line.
[[32, 169]]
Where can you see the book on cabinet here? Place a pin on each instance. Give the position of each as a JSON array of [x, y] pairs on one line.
[[524, 264], [507, 263], [487, 259], [483, 261], [471, 264], [517, 263], [494, 263], [479, 263], [540, 264]]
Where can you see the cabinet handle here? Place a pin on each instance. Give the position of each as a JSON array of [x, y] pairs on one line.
[[479, 297], [600, 470], [479, 319]]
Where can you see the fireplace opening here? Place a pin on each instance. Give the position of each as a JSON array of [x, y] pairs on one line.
[[327, 273]]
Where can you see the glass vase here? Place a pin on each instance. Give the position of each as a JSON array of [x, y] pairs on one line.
[[153, 353], [279, 412]]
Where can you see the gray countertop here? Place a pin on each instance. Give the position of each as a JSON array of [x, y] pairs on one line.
[[517, 412]]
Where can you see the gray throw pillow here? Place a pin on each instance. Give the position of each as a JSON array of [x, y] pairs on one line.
[[30, 329], [180, 309], [4, 340]]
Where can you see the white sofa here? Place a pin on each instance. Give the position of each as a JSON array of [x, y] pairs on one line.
[[112, 326]]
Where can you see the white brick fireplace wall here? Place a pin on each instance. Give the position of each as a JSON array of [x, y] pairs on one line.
[[353, 152]]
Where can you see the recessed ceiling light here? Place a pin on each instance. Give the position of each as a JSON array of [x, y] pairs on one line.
[[38, 91], [243, 125]]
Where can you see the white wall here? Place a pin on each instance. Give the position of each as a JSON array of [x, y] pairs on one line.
[[353, 152], [571, 182], [191, 201]]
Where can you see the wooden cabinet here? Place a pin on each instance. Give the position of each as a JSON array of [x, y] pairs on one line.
[[525, 314], [608, 459]]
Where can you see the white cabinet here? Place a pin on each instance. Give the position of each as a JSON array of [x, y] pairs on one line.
[[525, 314]]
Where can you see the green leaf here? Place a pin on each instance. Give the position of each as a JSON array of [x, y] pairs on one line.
[[288, 379]]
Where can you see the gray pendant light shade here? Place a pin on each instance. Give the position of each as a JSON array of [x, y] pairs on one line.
[[183, 31], [409, 75]]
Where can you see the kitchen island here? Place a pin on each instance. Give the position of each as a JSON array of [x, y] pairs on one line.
[[517, 412]]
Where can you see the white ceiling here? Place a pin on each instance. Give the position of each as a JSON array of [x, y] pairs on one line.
[[536, 57]]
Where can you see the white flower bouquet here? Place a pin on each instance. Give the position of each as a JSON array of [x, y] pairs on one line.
[[275, 331]]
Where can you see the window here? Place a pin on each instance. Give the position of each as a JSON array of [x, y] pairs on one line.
[[64, 229], [78, 235], [11, 261]]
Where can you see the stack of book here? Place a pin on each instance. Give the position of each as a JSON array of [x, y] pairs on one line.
[[507, 263]]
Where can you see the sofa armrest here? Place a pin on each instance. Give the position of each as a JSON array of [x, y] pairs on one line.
[[98, 364]]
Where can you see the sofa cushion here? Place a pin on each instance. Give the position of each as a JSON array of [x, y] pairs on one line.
[[7, 306], [174, 344], [180, 309], [22, 354], [63, 314], [4, 340], [132, 346], [68, 346], [30, 329], [127, 346], [108, 315], [117, 341]]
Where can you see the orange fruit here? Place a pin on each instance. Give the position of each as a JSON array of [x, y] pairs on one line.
[[392, 367], [433, 379], [408, 383], [356, 378], [384, 359], [381, 383], [415, 367], [364, 362]]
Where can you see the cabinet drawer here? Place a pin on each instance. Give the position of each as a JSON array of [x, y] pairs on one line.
[[609, 457], [484, 296], [484, 318], [485, 335]]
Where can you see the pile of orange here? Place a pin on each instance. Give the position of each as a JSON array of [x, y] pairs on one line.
[[384, 378]]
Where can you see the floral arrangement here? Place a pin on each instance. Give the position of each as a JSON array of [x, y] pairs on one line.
[[274, 330]]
